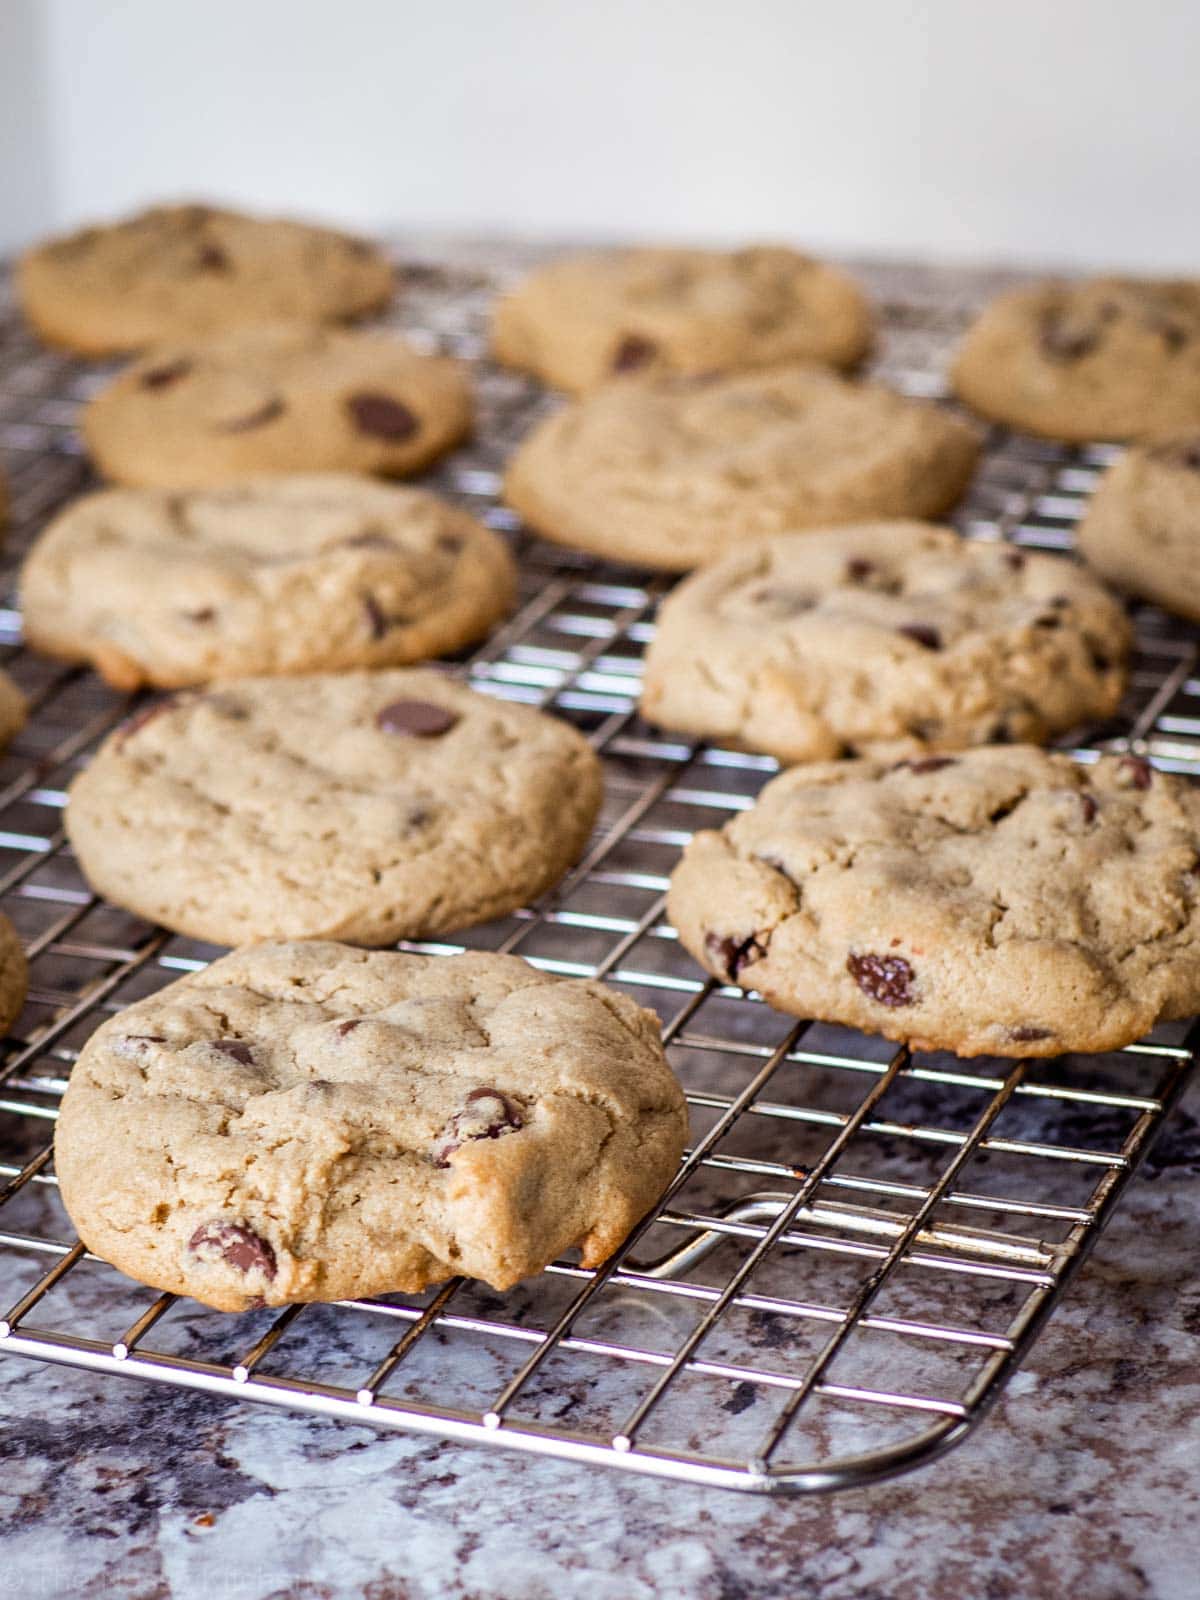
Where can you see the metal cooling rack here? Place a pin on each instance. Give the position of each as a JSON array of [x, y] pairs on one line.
[[861, 1244]]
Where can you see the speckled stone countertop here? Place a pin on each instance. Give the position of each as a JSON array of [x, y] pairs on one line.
[[1085, 1481]]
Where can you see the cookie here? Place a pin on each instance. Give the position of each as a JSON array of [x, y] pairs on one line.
[[276, 399], [883, 638], [1005, 901], [1141, 529], [13, 709], [575, 323], [311, 573], [186, 271], [671, 471], [307, 1121], [14, 975], [370, 806], [1105, 358]]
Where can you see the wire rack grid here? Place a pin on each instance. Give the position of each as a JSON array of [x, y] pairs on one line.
[[860, 1245]]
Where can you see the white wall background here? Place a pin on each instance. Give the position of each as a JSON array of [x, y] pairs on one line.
[[1051, 130]]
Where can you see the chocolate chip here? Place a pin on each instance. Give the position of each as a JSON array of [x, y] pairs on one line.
[[486, 1114], [450, 543], [734, 955], [205, 614], [887, 979], [145, 1038], [1177, 453], [349, 1026], [1061, 602], [213, 259], [1015, 559], [1089, 806], [1135, 772], [926, 764], [416, 818], [920, 633], [420, 719], [634, 351], [234, 1244], [267, 412], [1026, 1034], [377, 618], [1065, 340], [381, 416], [1172, 335], [1050, 620], [1100, 661], [164, 377], [236, 1050], [858, 569]]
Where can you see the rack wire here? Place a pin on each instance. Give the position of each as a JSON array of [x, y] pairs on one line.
[[861, 1244]]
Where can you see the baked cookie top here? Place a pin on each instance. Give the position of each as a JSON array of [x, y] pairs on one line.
[[370, 806], [316, 572], [276, 398], [1005, 901], [884, 638], [1141, 529], [576, 322], [672, 471], [313, 1122], [183, 271], [1104, 358]]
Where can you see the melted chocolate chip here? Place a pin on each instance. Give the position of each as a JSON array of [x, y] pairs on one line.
[[1050, 620], [381, 416], [164, 377], [1183, 453], [419, 719], [1064, 339], [486, 1114], [887, 979], [145, 1038], [1026, 1034], [1014, 559], [269, 411], [634, 351], [1089, 806], [1100, 662], [926, 764], [349, 1026], [213, 259], [858, 569], [920, 633], [236, 1050], [1061, 602], [1135, 772], [450, 543], [734, 955], [377, 618], [205, 614], [234, 1244]]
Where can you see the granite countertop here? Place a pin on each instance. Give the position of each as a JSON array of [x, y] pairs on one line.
[[1084, 1481]]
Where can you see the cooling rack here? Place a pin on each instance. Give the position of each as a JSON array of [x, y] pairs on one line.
[[860, 1245]]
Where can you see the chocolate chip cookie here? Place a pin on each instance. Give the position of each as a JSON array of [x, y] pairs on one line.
[[276, 399], [1005, 901], [672, 471], [13, 709], [185, 271], [14, 975], [370, 806], [313, 1122], [319, 572], [1106, 358], [575, 323], [884, 638], [1141, 530]]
